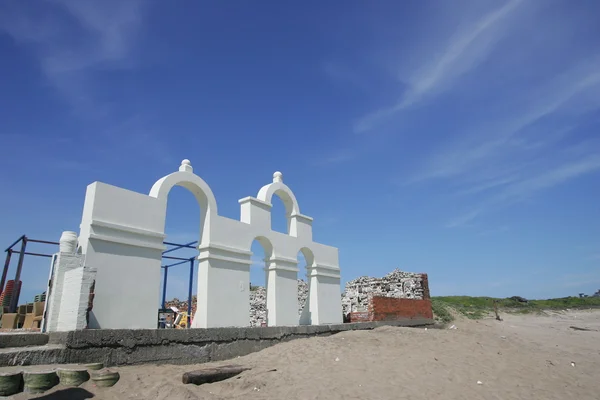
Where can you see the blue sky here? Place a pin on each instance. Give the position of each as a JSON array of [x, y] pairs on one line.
[[455, 138]]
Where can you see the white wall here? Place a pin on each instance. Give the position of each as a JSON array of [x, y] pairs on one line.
[[54, 294], [122, 234], [68, 298]]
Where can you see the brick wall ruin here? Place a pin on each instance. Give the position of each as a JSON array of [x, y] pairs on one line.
[[359, 294], [391, 309]]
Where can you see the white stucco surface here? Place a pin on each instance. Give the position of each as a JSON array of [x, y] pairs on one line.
[[122, 234], [66, 310]]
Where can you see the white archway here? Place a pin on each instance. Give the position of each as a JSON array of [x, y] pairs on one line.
[[196, 185], [122, 234], [281, 190]]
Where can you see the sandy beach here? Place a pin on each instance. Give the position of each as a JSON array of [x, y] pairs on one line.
[[522, 357]]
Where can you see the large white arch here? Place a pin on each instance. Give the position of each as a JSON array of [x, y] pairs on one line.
[[196, 185], [186, 178]]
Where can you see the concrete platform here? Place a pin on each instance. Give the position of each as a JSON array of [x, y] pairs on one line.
[[22, 339], [170, 346]]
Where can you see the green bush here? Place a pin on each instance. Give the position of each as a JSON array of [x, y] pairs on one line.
[[441, 312]]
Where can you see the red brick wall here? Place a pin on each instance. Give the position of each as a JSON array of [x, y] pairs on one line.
[[390, 309], [360, 317]]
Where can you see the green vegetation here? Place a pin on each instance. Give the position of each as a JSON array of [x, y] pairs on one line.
[[479, 307], [441, 311]]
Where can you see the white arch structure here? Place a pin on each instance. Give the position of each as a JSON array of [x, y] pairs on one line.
[[122, 234]]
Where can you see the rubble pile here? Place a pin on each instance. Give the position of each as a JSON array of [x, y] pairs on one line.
[[258, 302], [302, 295], [398, 284], [181, 305], [258, 306]]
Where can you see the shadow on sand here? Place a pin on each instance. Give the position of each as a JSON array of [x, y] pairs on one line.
[[67, 394]]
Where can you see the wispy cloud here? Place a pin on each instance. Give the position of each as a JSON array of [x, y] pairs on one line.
[[506, 109], [73, 40], [560, 174], [519, 190], [494, 231], [336, 157], [463, 52], [75, 44], [513, 155], [464, 219]]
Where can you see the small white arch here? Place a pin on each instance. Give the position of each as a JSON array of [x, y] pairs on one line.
[[266, 245], [309, 256], [283, 191]]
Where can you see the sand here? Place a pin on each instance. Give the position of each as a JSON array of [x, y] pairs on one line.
[[522, 357]]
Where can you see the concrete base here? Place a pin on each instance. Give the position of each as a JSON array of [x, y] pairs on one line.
[[22, 339], [170, 346]]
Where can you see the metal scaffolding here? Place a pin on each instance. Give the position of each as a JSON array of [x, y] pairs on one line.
[[22, 251]]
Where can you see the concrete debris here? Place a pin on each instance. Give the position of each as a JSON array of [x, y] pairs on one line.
[[397, 284], [258, 302]]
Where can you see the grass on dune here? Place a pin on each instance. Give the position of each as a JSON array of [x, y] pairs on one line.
[[479, 307]]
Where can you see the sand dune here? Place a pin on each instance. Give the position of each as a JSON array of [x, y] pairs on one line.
[[522, 357]]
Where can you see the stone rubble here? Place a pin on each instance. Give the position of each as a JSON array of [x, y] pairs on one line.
[[397, 284], [258, 302]]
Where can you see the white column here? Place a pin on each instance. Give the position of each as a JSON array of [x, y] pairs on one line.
[[282, 293], [325, 301], [223, 287]]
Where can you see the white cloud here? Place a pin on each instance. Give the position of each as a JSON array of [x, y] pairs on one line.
[[462, 54], [336, 157], [494, 139], [548, 179], [72, 40], [530, 185], [494, 231], [464, 219], [74, 43], [464, 51]]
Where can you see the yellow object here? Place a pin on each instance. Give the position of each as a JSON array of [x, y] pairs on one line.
[[181, 321]]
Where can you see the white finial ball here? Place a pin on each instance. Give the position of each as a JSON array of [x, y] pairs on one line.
[[186, 166], [277, 177]]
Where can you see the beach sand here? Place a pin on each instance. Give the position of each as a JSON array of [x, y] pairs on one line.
[[521, 357]]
